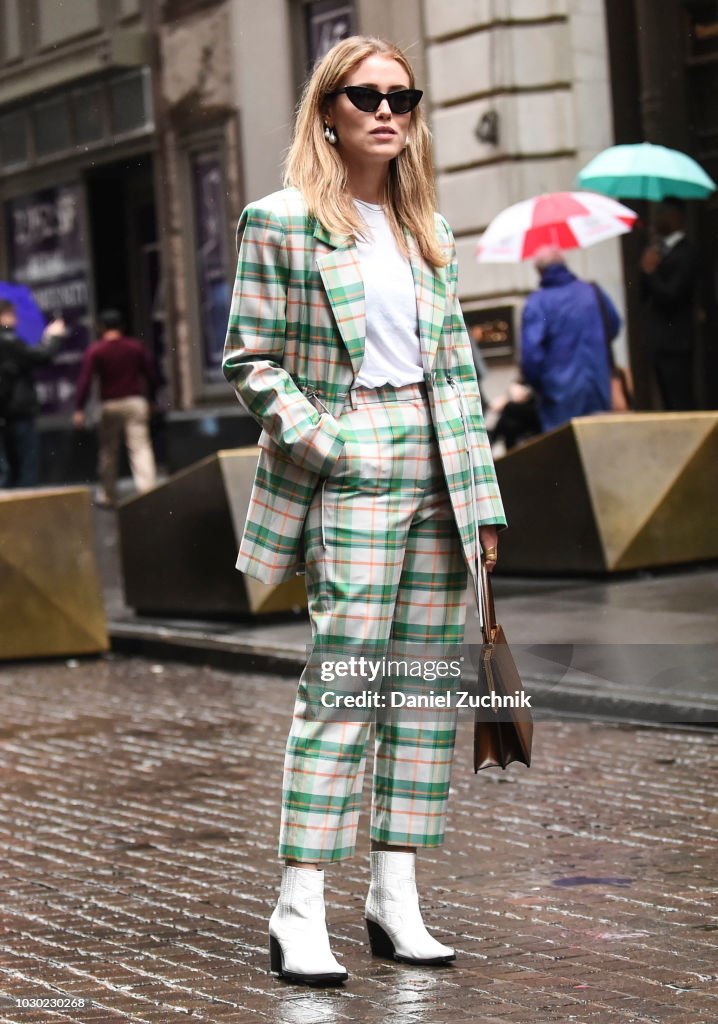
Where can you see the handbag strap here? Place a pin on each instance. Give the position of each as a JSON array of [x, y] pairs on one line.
[[605, 321], [488, 627]]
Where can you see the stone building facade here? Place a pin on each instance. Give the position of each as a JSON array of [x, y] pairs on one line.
[[520, 96], [132, 132]]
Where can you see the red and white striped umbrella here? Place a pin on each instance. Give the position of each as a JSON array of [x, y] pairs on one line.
[[568, 220]]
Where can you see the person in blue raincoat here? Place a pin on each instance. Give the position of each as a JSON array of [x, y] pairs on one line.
[[566, 330]]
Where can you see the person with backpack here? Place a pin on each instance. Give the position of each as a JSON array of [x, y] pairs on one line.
[[567, 329], [19, 404]]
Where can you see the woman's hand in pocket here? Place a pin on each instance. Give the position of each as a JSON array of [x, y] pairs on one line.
[[346, 460]]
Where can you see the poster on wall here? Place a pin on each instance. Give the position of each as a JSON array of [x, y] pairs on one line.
[[48, 254], [328, 22], [213, 270]]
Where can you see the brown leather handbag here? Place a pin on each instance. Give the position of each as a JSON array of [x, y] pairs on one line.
[[501, 734]]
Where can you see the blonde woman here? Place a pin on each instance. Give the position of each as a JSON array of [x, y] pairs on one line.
[[347, 344]]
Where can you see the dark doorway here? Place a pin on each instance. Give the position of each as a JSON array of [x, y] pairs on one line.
[[126, 263], [664, 77], [124, 246]]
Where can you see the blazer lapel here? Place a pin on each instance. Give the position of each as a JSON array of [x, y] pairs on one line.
[[430, 285], [342, 278], [341, 274]]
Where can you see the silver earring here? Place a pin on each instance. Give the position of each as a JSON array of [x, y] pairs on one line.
[[330, 135]]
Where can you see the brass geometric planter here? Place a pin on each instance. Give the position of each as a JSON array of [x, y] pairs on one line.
[[51, 601], [612, 492], [179, 544]]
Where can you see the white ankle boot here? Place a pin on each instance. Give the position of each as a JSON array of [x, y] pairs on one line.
[[298, 941], [392, 913]]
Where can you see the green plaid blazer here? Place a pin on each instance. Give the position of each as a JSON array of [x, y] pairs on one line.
[[294, 344]]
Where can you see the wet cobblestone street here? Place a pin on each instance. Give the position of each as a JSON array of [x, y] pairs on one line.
[[138, 825]]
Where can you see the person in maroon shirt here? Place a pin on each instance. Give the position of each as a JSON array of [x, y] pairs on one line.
[[128, 384]]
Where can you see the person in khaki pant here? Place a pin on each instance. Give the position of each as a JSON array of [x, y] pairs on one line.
[[128, 384]]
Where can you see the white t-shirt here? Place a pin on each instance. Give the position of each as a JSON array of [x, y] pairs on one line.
[[392, 352]]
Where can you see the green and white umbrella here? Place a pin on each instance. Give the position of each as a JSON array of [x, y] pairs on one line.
[[645, 171]]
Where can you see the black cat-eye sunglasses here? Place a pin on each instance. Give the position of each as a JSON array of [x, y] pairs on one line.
[[401, 101]]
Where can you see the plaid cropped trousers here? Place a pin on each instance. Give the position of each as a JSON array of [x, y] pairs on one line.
[[384, 565]]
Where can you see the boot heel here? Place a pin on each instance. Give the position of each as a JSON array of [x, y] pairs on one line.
[[276, 966], [275, 955], [381, 944], [299, 949]]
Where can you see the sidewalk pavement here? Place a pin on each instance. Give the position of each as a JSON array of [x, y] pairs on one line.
[[139, 816], [642, 647]]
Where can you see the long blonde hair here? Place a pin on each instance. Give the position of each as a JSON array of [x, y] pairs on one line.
[[318, 171]]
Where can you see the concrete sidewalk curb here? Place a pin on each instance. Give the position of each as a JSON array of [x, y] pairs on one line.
[[551, 697], [198, 647]]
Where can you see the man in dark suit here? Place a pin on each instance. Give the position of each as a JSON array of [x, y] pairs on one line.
[[669, 270]]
